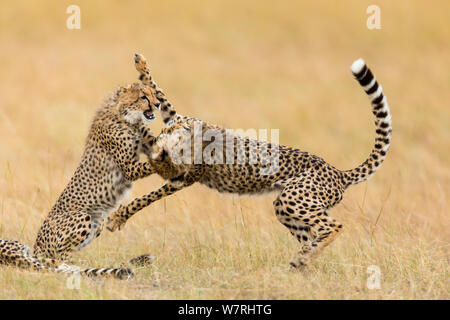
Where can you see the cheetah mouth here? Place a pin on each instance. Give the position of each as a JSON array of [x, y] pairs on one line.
[[148, 115]]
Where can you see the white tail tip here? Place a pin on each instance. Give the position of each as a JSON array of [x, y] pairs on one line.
[[357, 66]]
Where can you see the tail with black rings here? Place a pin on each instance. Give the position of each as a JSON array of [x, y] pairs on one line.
[[383, 124]]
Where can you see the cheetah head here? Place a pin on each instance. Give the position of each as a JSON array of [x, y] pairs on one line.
[[137, 102], [171, 154]]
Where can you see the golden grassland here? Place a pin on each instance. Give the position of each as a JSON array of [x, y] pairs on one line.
[[241, 64]]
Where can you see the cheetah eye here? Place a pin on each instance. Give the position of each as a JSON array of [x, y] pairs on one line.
[[145, 98]]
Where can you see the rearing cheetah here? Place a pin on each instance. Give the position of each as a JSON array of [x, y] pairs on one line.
[[308, 187], [109, 165]]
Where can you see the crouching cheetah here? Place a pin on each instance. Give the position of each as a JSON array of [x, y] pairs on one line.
[[307, 186], [109, 165]]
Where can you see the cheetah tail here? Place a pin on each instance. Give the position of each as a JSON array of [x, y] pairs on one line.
[[14, 253], [120, 273], [383, 123], [117, 273]]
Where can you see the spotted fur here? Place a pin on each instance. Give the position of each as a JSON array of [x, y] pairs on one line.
[[108, 167], [307, 186]]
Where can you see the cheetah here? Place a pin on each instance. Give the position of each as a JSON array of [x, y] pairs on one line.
[[307, 186], [110, 163]]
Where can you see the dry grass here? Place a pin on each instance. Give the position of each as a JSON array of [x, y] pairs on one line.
[[244, 65]]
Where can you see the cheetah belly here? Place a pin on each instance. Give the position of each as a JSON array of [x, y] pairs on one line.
[[123, 195], [238, 180], [110, 201], [118, 192]]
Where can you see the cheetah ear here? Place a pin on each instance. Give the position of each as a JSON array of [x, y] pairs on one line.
[[120, 91], [144, 70]]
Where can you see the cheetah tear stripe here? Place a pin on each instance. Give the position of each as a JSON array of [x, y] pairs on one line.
[[383, 123]]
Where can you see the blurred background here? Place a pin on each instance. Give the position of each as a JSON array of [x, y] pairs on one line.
[[241, 64]]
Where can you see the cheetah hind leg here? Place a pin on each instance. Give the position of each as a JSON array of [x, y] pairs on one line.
[[322, 234], [17, 254], [87, 229], [307, 220]]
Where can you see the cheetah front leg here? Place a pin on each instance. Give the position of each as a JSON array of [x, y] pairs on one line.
[[117, 219], [138, 171], [126, 155]]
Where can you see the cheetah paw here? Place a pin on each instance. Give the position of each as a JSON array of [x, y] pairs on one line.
[[144, 260], [140, 63], [116, 221], [298, 265]]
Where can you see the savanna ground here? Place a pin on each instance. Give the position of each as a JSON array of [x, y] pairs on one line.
[[252, 64]]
